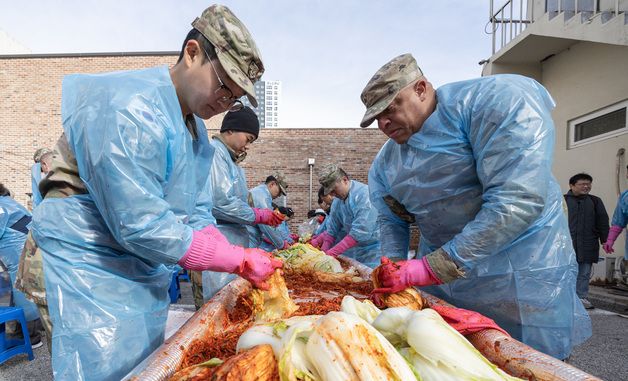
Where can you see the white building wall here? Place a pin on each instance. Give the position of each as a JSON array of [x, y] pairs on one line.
[[582, 79]]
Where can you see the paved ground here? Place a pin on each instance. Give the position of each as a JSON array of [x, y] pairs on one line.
[[605, 355]]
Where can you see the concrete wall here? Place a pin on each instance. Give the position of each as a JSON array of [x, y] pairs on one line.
[[583, 79]]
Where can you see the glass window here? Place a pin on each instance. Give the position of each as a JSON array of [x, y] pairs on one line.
[[602, 124]]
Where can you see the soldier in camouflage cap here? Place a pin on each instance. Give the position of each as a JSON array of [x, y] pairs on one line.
[[151, 175], [399, 82], [281, 182], [352, 223], [469, 164], [387, 82], [329, 176], [261, 198], [234, 45]]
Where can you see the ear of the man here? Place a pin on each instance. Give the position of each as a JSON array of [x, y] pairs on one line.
[[420, 87], [192, 51]]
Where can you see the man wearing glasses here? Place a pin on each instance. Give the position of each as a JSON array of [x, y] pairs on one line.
[[129, 180], [262, 196]]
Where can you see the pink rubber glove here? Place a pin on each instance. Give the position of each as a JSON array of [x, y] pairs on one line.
[[613, 233], [328, 242], [395, 277], [295, 237], [214, 233], [210, 250], [321, 240], [345, 244], [268, 217], [258, 266], [317, 240]]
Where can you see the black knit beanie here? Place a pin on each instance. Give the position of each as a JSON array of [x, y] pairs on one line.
[[243, 120]]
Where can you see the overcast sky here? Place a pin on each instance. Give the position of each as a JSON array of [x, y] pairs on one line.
[[324, 52]]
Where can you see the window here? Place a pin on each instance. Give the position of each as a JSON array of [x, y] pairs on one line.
[[599, 125]]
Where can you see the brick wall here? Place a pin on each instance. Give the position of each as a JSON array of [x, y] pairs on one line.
[[30, 105], [288, 150], [30, 118]]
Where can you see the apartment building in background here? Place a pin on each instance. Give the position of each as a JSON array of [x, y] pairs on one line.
[[268, 95]]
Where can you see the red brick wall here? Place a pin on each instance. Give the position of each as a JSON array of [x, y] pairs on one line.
[[30, 118], [30, 105]]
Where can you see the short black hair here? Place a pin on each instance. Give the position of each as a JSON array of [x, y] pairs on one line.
[[194, 34], [4, 191], [286, 211], [311, 213], [270, 179], [580, 176], [321, 193]]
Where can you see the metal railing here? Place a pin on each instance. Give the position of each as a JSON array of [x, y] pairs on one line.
[[509, 20]]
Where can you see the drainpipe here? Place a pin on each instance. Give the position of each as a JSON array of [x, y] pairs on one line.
[[310, 163], [618, 166]]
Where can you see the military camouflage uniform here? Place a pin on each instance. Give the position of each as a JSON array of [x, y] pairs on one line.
[[62, 181], [196, 279]]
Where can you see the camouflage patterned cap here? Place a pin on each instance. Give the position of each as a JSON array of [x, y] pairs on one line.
[[387, 82], [281, 181], [328, 177], [236, 50]]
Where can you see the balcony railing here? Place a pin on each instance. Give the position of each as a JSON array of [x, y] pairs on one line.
[[512, 18], [508, 21]]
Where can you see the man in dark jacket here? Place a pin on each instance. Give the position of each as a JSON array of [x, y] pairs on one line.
[[588, 225]]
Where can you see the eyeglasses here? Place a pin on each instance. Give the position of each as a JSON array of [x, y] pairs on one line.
[[228, 102]]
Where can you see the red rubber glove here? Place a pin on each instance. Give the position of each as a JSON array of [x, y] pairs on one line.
[[395, 277], [258, 266], [613, 233], [318, 240], [347, 243], [464, 321], [295, 237], [268, 217]]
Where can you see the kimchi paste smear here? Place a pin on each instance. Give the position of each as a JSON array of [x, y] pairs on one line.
[[311, 295]]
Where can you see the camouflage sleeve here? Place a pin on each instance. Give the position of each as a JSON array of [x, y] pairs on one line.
[[443, 266]]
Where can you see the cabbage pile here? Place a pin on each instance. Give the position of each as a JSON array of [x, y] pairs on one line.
[[304, 257], [361, 342]]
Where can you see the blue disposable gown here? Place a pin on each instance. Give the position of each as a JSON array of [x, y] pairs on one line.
[[11, 245], [322, 226], [478, 179], [284, 230], [620, 217], [108, 255], [230, 208], [357, 217], [35, 179], [263, 200]]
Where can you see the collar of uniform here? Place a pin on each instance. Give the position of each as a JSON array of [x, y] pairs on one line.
[[350, 189], [190, 123], [234, 156]]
